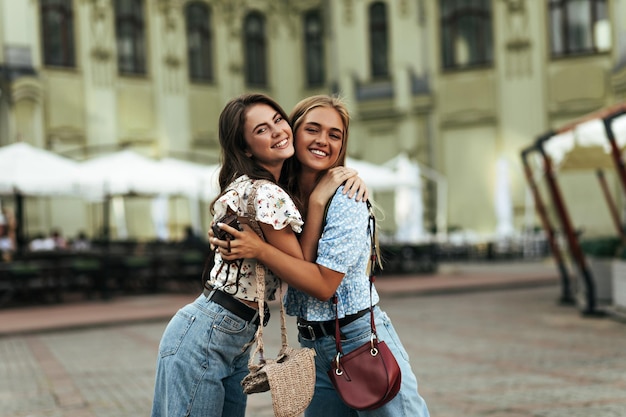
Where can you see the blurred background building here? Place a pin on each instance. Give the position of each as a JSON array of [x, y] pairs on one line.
[[460, 86]]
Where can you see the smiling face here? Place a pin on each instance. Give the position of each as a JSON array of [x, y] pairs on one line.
[[319, 139], [268, 136]]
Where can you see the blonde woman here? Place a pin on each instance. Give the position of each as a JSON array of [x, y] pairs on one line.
[[341, 255]]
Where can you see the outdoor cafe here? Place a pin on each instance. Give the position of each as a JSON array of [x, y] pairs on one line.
[[123, 263]]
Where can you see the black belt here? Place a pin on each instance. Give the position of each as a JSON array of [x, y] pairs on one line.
[[312, 330], [236, 307]]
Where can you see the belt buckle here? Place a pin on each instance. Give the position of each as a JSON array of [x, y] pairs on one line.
[[310, 330]]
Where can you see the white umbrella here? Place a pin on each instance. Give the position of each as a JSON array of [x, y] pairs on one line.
[[503, 200], [160, 215], [129, 173], [409, 207], [377, 177], [206, 175], [206, 181], [26, 170], [414, 178], [36, 172]]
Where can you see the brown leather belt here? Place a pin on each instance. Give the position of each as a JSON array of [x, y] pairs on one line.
[[236, 307]]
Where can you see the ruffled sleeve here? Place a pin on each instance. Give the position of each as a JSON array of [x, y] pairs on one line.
[[228, 200], [233, 198], [275, 207]]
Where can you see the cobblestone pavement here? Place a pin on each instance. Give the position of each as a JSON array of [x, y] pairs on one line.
[[506, 353]]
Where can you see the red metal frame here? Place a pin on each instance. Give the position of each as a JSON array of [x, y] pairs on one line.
[[566, 291], [611, 203], [606, 115], [566, 224]]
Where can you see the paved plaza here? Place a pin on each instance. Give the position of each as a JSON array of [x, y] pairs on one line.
[[510, 352]]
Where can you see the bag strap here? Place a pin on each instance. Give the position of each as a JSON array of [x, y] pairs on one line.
[[260, 284], [371, 230]]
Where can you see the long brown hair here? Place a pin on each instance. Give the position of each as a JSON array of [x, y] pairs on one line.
[[233, 158]]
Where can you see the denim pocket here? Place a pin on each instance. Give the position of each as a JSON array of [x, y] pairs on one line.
[[388, 333], [175, 332], [356, 333], [231, 325]]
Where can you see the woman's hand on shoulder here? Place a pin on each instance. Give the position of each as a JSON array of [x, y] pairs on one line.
[[354, 185]]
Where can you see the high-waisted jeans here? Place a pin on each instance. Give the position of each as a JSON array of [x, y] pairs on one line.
[[326, 401], [201, 363]]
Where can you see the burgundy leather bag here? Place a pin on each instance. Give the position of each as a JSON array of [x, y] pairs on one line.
[[368, 377]]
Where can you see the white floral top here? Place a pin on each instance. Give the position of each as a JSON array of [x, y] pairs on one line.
[[273, 206]]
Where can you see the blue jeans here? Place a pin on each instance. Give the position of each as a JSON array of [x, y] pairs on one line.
[[201, 363], [326, 401]]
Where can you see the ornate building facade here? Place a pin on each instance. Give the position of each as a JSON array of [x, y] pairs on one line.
[[458, 85]]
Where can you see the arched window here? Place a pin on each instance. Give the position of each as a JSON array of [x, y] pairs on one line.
[[466, 36], [579, 27], [199, 42], [57, 33], [314, 48], [130, 34], [255, 50], [379, 40]]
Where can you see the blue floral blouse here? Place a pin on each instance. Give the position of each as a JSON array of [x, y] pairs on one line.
[[344, 247]]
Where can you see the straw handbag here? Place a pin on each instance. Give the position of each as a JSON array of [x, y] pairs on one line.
[[290, 377]]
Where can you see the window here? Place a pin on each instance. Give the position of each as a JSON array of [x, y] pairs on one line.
[[255, 50], [130, 33], [579, 27], [199, 42], [57, 30], [379, 40], [314, 48], [466, 37]]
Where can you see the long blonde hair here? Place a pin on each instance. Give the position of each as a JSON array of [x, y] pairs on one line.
[[296, 117]]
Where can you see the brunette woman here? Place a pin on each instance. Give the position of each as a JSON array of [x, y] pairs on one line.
[[204, 350], [341, 260]]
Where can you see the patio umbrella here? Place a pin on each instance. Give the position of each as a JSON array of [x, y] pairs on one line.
[[206, 175], [377, 177], [130, 173], [30, 171], [206, 180], [409, 206]]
